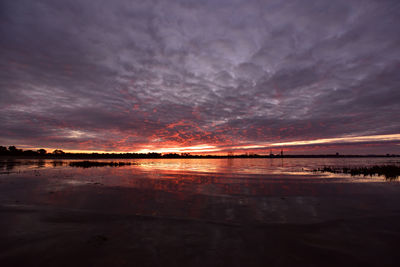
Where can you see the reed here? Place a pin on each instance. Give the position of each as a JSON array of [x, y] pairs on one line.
[[89, 164], [390, 172]]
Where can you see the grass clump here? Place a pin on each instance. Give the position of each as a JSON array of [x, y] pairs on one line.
[[89, 164], [390, 172]]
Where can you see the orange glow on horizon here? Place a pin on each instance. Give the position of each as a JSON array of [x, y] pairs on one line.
[[338, 140]]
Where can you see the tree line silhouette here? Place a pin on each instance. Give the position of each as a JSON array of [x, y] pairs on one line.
[[43, 153], [13, 151]]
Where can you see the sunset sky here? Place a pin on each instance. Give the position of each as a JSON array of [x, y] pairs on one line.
[[201, 76]]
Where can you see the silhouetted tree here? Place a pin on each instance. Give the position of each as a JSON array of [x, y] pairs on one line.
[[14, 151], [58, 152], [150, 155], [42, 151], [171, 155], [29, 152], [3, 150]]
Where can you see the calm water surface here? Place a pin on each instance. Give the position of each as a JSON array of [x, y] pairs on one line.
[[239, 210], [206, 176], [225, 167], [238, 190]]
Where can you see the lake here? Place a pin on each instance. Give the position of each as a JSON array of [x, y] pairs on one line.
[[230, 167], [213, 211]]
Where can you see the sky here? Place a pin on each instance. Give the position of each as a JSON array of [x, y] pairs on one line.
[[201, 76]]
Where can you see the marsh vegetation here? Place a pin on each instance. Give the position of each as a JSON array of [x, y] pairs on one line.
[[88, 164], [390, 172]]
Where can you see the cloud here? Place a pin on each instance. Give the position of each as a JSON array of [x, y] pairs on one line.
[[129, 74]]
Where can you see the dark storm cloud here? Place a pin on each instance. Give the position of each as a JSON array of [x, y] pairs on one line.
[[119, 75]]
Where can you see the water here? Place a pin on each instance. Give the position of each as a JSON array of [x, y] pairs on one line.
[[233, 190], [164, 209], [241, 166], [195, 174]]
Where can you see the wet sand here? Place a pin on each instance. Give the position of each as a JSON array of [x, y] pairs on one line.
[[47, 220]]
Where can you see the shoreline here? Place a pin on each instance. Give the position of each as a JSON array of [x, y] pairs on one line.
[[124, 156]]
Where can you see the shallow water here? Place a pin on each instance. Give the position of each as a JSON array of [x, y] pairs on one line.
[[242, 189], [242, 166], [204, 176], [225, 211]]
